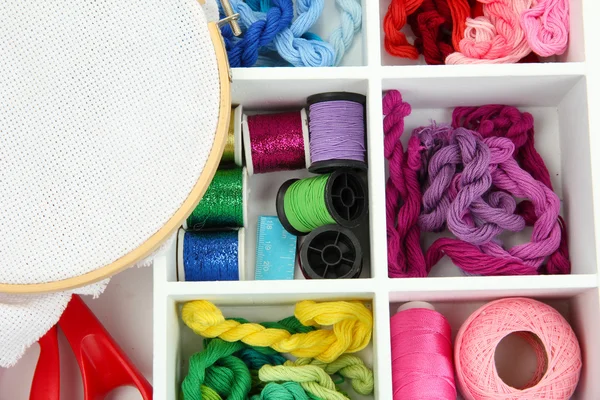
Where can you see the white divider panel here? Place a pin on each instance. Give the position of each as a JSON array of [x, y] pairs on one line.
[[555, 93]]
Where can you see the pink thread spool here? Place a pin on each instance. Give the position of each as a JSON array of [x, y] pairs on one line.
[[276, 142], [421, 354], [542, 327]]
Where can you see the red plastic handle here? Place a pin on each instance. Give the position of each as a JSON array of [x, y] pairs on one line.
[[46, 379], [104, 366]]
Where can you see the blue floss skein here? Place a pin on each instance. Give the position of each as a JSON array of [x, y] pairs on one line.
[[255, 360], [259, 5], [244, 53], [210, 256], [342, 37], [290, 43]]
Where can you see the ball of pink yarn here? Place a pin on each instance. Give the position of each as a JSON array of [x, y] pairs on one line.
[[553, 340]]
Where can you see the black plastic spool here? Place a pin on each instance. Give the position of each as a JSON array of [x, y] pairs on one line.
[[331, 252], [345, 199], [323, 167]]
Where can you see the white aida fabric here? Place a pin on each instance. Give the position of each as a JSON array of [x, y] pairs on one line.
[[108, 110]]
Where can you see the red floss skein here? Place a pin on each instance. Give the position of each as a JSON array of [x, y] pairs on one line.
[[432, 26], [509, 122], [395, 41], [403, 193]]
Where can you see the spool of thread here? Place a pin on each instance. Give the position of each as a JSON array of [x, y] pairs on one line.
[[337, 131], [541, 326], [337, 198], [225, 203], [421, 354], [232, 154], [276, 142], [331, 252], [210, 256]]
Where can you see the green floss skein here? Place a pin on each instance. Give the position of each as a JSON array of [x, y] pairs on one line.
[[223, 203], [283, 391], [215, 366], [304, 204], [348, 366], [313, 379]]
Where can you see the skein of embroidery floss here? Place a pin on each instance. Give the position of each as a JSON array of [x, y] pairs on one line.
[[331, 252], [210, 256], [232, 154], [276, 142], [224, 204], [421, 354], [337, 131], [306, 204], [557, 351]]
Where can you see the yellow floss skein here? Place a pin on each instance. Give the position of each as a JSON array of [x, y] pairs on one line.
[[312, 378], [352, 325]]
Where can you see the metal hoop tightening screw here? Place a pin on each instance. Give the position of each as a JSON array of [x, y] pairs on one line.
[[230, 18]]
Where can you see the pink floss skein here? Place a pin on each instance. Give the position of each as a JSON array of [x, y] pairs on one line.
[[549, 334], [403, 194], [497, 37], [422, 365], [546, 27]]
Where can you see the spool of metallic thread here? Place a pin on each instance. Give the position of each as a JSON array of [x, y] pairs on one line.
[[232, 153], [276, 142], [225, 203], [210, 256]]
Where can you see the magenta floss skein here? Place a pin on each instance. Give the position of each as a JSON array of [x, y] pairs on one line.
[[422, 366]]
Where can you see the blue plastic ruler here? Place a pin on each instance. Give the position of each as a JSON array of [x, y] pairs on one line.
[[275, 250]]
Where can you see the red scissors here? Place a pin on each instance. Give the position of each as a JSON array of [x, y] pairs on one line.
[[104, 366]]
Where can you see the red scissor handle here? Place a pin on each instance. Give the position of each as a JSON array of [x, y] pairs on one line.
[[46, 380], [104, 366]]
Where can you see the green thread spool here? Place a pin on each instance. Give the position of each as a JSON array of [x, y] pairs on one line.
[[223, 204], [337, 198], [232, 154]]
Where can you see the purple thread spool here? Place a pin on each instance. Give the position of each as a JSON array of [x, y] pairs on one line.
[[337, 131]]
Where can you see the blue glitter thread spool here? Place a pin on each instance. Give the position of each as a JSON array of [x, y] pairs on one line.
[[210, 256]]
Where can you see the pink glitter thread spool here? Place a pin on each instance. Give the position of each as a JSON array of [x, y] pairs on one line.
[[276, 142]]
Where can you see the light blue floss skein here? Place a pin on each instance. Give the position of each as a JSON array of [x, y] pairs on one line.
[[342, 37], [289, 43]]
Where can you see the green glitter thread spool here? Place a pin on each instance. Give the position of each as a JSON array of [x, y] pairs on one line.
[[224, 204], [232, 154]]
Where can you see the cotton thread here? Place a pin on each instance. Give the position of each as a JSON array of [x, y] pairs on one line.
[[403, 194], [211, 256], [223, 203], [546, 26], [283, 391], [337, 131], [422, 356], [276, 142], [348, 366], [545, 329], [509, 122], [351, 323], [351, 23], [395, 41], [289, 42], [305, 205], [432, 26], [497, 37], [313, 379], [244, 53]]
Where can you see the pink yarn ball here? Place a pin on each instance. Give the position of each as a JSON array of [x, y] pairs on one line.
[[558, 352]]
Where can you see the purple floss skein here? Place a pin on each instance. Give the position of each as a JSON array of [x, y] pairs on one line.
[[337, 131], [440, 159], [475, 182]]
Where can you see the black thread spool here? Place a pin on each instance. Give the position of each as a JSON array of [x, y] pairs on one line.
[[345, 198], [318, 165], [331, 252]]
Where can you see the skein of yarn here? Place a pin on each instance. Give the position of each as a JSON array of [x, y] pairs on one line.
[[426, 373], [547, 332]]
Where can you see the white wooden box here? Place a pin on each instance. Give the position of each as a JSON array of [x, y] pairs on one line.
[[557, 94]]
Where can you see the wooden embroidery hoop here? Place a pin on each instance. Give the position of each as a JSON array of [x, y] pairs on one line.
[[212, 163]]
